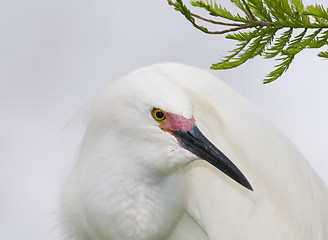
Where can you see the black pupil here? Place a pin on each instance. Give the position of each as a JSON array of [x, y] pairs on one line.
[[159, 115]]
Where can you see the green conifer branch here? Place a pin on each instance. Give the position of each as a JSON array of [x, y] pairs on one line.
[[323, 54], [265, 28], [279, 44]]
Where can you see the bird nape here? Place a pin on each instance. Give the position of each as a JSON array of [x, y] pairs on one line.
[[139, 173]]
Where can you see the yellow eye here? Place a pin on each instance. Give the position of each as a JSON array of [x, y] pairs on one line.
[[159, 115]]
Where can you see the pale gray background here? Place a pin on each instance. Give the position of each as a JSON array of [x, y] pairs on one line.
[[56, 54]]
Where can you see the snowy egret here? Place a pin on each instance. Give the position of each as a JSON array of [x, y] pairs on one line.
[[137, 175]]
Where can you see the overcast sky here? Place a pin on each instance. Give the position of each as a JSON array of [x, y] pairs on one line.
[[56, 54]]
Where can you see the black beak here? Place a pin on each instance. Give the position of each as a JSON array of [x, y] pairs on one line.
[[198, 144]]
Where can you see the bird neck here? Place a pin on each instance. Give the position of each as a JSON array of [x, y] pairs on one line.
[[120, 199], [137, 205], [154, 205]]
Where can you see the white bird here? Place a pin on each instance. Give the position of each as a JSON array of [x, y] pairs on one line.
[[139, 173]]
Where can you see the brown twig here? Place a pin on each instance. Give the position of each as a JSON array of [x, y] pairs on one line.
[[239, 27], [236, 26], [214, 22], [249, 11], [255, 24]]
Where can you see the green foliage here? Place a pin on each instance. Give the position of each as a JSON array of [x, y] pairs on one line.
[[278, 29], [179, 6], [323, 54], [218, 11], [318, 12]]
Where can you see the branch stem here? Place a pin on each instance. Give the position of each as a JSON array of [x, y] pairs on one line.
[[236, 26], [249, 11], [214, 22]]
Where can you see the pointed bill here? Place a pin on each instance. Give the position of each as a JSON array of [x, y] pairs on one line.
[[198, 144]]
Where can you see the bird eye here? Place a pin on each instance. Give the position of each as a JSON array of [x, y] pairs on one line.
[[159, 115]]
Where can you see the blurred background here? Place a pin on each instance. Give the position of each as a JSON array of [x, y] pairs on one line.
[[56, 54]]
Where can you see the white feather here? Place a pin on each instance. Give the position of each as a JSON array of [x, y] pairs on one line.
[[134, 181]]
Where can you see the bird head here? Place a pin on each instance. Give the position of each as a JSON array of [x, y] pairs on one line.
[[146, 121]]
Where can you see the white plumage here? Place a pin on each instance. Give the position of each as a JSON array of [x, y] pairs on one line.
[[135, 181]]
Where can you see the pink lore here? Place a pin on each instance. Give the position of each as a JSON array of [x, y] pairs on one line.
[[176, 122]]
